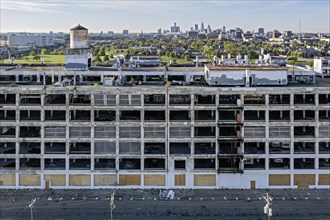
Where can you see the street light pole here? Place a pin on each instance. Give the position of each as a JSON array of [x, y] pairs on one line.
[[268, 207], [31, 206], [112, 205]]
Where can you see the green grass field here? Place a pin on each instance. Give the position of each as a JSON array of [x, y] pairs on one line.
[[49, 59], [178, 60]]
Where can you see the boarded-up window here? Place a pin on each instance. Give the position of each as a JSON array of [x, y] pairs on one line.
[[180, 180], [80, 180], [154, 180], [180, 132], [129, 180], [279, 179], [204, 180], [130, 132]]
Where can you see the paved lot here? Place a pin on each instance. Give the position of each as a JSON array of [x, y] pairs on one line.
[[153, 204]]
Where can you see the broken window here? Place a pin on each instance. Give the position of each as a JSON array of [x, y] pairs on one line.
[[7, 115], [254, 115], [55, 132], [204, 163], [7, 163], [230, 131], [179, 164], [80, 148], [80, 115], [29, 148], [204, 131], [7, 148], [29, 132], [54, 164], [279, 163], [254, 132], [154, 164], [304, 131], [105, 132], [80, 132], [55, 99], [80, 164], [130, 115], [279, 132], [229, 147], [104, 164], [324, 98], [129, 132], [324, 163], [26, 115], [54, 148], [254, 99], [324, 147], [279, 148], [179, 148], [105, 147], [304, 99], [30, 99], [229, 99], [9, 132], [29, 163], [204, 99], [324, 115], [179, 99], [154, 148], [254, 148], [154, 115], [129, 164], [204, 148], [230, 115], [130, 148], [54, 115], [7, 99], [304, 147], [204, 115], [104, 115], [80, 99], [179, 115], [154, 132], [254, 163], [304, 115], [279, 99], [304, 163], [157, 99], [279, 115], [180, 132]]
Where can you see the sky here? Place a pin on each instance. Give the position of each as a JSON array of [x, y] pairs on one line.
[[150, 15]]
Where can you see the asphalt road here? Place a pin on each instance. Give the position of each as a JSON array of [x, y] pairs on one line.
[[189, 204]]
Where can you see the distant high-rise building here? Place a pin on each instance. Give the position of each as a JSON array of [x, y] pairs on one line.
[[261, 31], [209, 30], [175, 29], [224, 29], [196, 27], [159, 31], [202, 27], [276, 34], [288, 33], [125, 32]]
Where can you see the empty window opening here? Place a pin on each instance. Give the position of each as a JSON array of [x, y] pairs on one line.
[[7, 148], [104, 164], [130, 115], [154, 132], [7, 163], [204, 115], [324, 163], [254, 148], [129, 132], [279, 115], [29, 163], [154, 164], [55, 164], [105, 147], [204, 164], [80, 148], [26, 115], [157, 99], [279, 132], [304, 115], [104, 115], [179, 99], [229, 164], [7, 115], [255, 163], [279, 99], [80, 164], [53, 99], [29, 148], [29, 132], [154, 115], [129, 164], [80, 99], [324, 147], [54, 148], [230, 132], [279, 163], [176, 78], [304, 131], [204, 148], [179, 148], [55, 132], [204, 131], [54, 115], [254, 115], [105, 132], [30, 99], [179, 115], [180, 132], [229, 99], [304, 163], [7, 99], [324, 98], [304, 99], [154, 148], [279, 148], [130, 148], [80, 115], [229, 147], [304, 147], [9, 132], [230, 115], [324, 115], [254, 99], [179, 164], [204, 99]]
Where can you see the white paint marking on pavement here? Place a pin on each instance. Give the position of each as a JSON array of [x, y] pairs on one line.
[[50, 199]]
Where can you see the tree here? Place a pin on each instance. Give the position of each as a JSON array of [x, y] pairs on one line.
[[106, 58], [44, 51], [172, 54], [32, 53], [97, 59], [187, 57]]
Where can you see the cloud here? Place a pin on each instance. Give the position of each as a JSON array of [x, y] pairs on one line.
[[29, 6]]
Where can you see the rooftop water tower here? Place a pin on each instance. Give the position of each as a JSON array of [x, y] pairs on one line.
[[78, 37]]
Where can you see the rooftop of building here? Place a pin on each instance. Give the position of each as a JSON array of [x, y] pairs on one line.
[[78, 27], [245, 67]]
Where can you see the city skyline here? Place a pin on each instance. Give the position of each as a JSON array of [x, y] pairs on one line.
[[60, 15]]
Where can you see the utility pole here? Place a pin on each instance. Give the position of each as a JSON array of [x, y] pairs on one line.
[[31, 206], [112, 205], [268, 207]]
